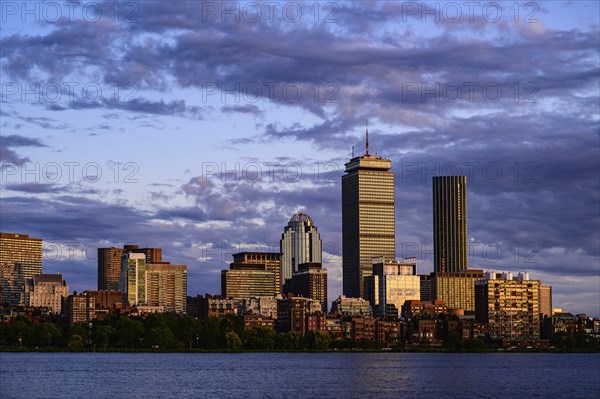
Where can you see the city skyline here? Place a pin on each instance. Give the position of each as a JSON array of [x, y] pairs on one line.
[[202, 167]]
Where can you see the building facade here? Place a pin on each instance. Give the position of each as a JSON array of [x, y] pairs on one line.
[[20, 260], [391, 284], [300, 243], [545, 300], [368, 218], [109, 268], [80, 308], [457, 290], [510, 306], [345, 306], [247, 280], [310, 281], [133, 279], [450, 223], [166, 286], [47, 291], [271, 261], [109, 263]]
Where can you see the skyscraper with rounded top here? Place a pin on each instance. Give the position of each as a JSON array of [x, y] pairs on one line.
[[300, 243]]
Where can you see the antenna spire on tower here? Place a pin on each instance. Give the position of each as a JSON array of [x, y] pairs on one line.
[[367, 141]]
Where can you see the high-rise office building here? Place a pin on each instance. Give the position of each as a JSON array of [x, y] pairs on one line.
[[368, 218], [20, 260], [510, 306], [450, 223], [109, 263], [271, 260], [166, 286], [247, 280], [300, 243]]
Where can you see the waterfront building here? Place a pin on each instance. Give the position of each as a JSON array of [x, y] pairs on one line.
[[510, 306]]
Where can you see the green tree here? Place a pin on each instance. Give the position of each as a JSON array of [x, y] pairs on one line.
[[20, 332], [288, 341], [103, 335], [316, 340], [260, 338], [232, 341], [453, 342], [50, 331], [130, 331], [210, 333], [76, 342], [188, 330]]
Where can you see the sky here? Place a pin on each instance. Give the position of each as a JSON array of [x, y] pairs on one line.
[[202, 127]]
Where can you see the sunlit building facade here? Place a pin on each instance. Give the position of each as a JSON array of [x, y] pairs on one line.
[[391, 284], [457, 290], [510, 306], [47, 291], [20, 260], [247, 280], [133, 279], [166, 286], [368, 218]]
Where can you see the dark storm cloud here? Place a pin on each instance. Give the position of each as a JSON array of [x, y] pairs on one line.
[[9, 155]]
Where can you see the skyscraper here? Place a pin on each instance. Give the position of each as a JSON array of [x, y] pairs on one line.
[[109, 263], [368, 218], [450, 223], [20, 259], [109, 268], [166, 286], [300, 243]]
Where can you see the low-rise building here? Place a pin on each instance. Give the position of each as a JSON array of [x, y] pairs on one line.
[[352, 307]]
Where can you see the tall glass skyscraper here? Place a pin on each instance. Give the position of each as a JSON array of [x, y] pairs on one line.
[[368, 218], [300, 243], [450, 223]]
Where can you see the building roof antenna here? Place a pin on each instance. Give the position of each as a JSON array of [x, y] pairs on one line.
[[367, 140]]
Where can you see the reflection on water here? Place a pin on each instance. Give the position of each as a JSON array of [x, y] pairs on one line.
[[298, 375]]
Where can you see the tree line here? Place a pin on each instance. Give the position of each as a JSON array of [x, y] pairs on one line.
[[156, 332], [164, 332]]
